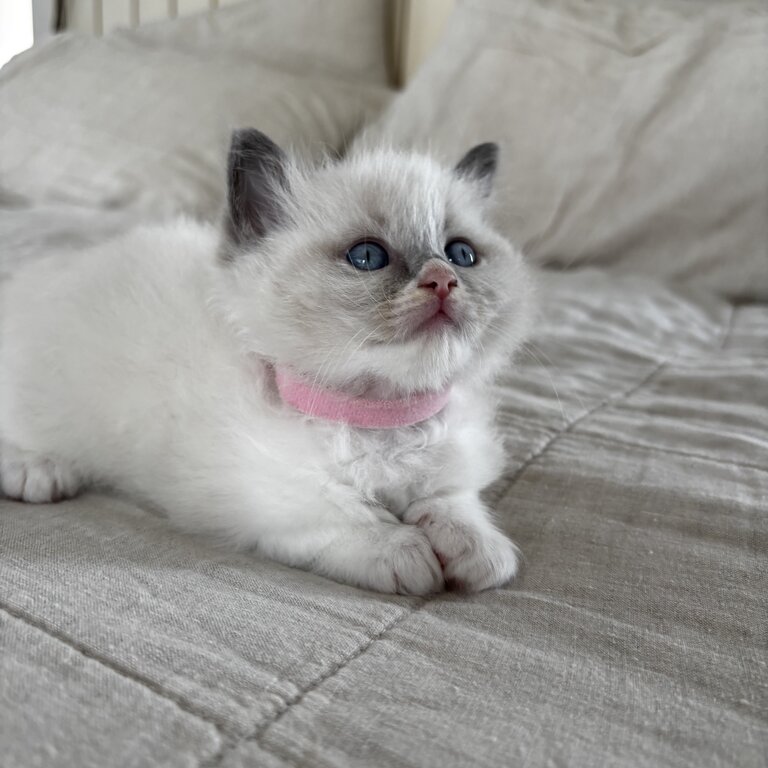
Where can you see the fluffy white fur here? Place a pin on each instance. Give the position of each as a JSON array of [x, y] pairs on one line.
[[146, 365]]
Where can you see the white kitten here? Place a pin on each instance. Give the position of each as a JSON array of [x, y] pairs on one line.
[[148, 365]]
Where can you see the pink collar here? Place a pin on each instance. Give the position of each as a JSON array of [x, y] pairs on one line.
[[358, 411]]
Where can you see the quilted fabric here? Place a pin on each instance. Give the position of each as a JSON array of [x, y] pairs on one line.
[[637, 487]]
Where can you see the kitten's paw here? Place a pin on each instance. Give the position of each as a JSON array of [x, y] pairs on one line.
[[35, 479], [407, 565], [474, 557]]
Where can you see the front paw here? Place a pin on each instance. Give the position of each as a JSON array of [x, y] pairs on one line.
[[407, 565], [35, 479], [474, 555]]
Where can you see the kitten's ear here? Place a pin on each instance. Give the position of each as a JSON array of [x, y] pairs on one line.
[[256, 185], [479, 166]]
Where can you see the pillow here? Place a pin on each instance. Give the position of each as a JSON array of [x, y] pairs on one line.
[[633, 134], [111, 122]]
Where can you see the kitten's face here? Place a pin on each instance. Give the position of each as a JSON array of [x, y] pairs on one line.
[[381, 273]]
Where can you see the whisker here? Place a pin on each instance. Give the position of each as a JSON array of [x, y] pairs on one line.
[[321, 378], [527, 348]]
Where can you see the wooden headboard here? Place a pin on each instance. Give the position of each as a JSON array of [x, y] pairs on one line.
[[415, 25]]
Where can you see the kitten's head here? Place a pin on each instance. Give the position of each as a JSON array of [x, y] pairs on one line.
[[376, 272]]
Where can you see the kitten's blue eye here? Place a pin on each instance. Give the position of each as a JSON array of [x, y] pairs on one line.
[[368, 256], [460, 253]]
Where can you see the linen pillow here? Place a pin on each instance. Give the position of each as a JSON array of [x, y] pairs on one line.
[[633, 135], [112, 122]]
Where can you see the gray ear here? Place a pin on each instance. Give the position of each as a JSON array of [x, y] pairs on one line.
[[257, 179], [479, 165]]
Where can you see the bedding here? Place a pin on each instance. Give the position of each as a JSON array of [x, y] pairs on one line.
[[637, 488], [146, 128], [633, 134]]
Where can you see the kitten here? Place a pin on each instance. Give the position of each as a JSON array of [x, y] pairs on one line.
[[313, 381]]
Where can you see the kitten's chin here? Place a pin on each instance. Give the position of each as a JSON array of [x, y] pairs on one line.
[[432, 318], [440, 322], [429, 361]]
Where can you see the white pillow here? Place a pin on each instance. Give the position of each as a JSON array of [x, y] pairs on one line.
[[634, 134], [116, 123]]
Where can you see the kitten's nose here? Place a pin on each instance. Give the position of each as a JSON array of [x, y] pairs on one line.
[[438, 277]]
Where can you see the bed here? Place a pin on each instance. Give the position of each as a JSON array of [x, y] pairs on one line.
[[636, 419]]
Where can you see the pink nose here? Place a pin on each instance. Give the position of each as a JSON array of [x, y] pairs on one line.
[[438, 278]]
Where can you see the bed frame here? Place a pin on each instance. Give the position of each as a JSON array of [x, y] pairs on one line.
[[413, 29]]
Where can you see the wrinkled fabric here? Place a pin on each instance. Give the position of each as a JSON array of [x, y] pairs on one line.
[[633, 135], [116, 124]]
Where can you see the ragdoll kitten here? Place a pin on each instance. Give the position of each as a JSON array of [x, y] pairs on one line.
[[313, 381]]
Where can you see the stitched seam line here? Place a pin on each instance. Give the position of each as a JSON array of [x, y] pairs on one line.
[[605, 403], [113, 666], [725, 336], [258, 734], [675, 452]]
